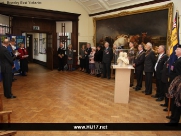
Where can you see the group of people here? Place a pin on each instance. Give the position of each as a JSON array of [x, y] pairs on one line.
[[93, 60], [10, 55], [96, 60], [61, 57], [168, 76]]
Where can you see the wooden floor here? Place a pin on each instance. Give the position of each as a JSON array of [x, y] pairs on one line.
[[51, 96]]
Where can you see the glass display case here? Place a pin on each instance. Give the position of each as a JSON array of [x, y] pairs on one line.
[[127, 55]]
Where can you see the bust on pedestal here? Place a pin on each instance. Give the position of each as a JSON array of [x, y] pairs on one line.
[[122, 79]]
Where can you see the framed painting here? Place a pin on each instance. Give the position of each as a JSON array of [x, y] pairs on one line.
[[140, 26]]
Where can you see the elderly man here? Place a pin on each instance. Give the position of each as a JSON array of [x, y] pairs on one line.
[[61, 55], [162, 58], [139, 66], [6, 69], [107, 58], [149, 68]]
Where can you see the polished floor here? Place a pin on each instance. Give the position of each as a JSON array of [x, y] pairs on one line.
[[66, 97]]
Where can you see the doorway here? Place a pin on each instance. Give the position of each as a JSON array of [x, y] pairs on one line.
[[36, 44]]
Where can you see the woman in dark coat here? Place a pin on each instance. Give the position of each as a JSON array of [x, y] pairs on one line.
[[98, 59], [82, 58]]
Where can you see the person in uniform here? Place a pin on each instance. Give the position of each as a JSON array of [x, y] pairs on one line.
[[175, 70], [162, 58], [61, 55], [6, 69], [149, 64], [23, 59], [87, 53], [139, 66], [106, 60], [131, 56]]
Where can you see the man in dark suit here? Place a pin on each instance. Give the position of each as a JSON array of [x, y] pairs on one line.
[[164, 79], [61, 55], [139, 66], [176, 71], [149, 68], [162, 58], [6, 69], [87, 53], [107, 58]]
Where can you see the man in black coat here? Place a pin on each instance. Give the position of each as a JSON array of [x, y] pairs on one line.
[[162, 58], [164, 79], [61, 56], [6, 69], [87, 53], [106, 60], [139, 66], [149, 68]]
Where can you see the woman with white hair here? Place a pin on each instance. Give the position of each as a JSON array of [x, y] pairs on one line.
[[91, 61]]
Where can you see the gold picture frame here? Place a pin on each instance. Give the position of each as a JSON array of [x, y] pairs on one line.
[[168, 6]]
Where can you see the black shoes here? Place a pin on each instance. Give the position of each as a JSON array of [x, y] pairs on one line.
[[147, 93], [168, 117], [11, 97], [131, 85], [163, 105], [154, 96], [166, 109], [160, 99]]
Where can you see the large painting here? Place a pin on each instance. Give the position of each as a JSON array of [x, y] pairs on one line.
[[141, 26]]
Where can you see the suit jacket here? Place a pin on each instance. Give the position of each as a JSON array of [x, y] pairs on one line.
[[6, 60], [139, 61], [175, 69], [150, 60], [20, 50], [88, 50], [160, 65], [107, 55], [61, 51], [98, 56], [165, 72]]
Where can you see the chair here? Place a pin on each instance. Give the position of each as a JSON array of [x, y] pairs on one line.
[[3, 113]]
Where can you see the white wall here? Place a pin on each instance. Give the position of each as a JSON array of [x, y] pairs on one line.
[[40, 57], [4, 20], [85, 33]]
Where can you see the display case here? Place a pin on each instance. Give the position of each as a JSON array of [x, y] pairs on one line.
[[126, 55]]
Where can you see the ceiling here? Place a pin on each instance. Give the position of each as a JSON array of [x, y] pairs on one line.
[[96, 6]]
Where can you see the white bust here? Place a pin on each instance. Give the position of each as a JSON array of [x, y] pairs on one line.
[[119, 60], [123, 59]]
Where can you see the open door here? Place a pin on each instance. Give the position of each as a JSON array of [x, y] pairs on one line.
[[49, 51], [29, 44]]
